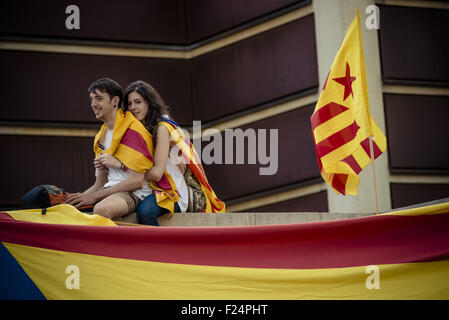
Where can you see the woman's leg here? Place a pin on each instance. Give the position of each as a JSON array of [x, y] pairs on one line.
[[148, 211]]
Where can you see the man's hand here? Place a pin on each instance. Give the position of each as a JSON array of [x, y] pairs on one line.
[[81, 199]]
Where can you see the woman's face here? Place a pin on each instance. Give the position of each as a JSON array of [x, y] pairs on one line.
[[137, 105]]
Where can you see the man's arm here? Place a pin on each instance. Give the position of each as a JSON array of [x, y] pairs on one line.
[[100, 181], [134, 182]]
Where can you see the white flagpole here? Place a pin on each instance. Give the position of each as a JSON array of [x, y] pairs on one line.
[[371, 148]]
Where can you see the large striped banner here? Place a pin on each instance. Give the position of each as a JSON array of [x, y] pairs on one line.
[[66, 254]]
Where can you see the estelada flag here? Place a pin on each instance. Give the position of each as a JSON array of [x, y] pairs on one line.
[[187, 150], [341, 123]]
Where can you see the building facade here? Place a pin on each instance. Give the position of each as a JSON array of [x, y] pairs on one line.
[[251, 67]]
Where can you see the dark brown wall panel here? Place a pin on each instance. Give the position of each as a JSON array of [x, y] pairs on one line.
[[53, 87], [133, 20], [414, 45], [418, 134], [151, 21], [268, 66], [28, 161], [296, 158], [408, 194], [316, 202], [208, 17]]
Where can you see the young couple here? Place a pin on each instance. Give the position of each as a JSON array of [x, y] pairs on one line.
[[134, 171]]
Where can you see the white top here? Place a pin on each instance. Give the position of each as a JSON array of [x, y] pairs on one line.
[[178, 179], [180, 183], [117, 175]]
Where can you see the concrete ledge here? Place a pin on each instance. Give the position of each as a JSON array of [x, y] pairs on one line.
[[242, 218]]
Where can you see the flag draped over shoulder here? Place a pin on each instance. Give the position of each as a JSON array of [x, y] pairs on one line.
[[66, 254], [132, 144], [341, 123], [185, 146]]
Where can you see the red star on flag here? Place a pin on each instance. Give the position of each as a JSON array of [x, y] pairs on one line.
[[346, 81]]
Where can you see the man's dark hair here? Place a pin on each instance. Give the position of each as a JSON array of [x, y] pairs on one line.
[[109, 86]]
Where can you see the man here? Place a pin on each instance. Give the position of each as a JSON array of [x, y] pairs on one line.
[[116, 191]]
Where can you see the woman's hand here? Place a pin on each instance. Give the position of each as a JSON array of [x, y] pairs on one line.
[[109, 161], [98, 165]]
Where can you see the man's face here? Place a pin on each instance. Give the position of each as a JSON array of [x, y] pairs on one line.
[[102, 104]]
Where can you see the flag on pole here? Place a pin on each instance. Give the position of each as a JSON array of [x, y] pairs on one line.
[[341, 123]]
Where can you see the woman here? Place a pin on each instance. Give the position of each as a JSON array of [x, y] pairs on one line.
[[145, 103]]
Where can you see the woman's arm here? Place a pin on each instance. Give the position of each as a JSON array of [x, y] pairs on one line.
[[108, 161], [160, 155]]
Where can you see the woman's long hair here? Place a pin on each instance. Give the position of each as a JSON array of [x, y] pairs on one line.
[[156, 105]]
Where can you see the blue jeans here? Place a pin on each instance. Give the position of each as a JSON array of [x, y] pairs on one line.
[[148, 211]]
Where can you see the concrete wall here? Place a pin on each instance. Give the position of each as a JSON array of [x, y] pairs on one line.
[[243, 218]]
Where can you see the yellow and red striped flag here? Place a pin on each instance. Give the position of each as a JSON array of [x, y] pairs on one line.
[[341, 123], [213, 204], [66, 254]]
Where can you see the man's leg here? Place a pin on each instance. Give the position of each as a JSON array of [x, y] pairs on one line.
[[113, 206]]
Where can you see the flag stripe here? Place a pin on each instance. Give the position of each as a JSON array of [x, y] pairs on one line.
[[164, 183], [170, 121], [112, 278], [194, 163], [376, 149], [134, 140], [352, 162], [381, 239], [326, 113], [337, 140], [333, 125], [339, 182], [15, 284]]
